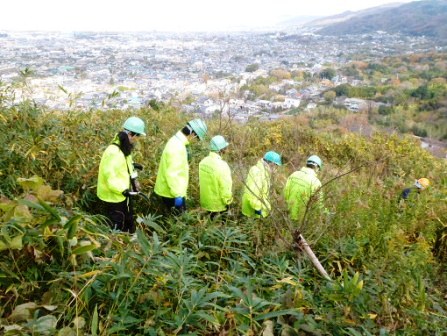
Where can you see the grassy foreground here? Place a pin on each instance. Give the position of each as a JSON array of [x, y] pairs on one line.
[[63, 272]]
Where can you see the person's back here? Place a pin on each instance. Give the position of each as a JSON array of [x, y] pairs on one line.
[[113, 175], [256, 190], [300, 187], [172, 180], [215, 183], [410, 195], [173, 172], [116, 176], [255, 199], [406, 193]]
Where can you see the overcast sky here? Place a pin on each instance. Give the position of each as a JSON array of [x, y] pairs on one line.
[[172, 15]]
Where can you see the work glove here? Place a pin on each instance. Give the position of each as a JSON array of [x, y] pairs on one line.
[[179, 202], [138, 166], [135, 185], [258, 212], [128, 193]]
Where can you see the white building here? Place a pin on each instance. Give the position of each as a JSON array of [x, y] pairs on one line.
[[291, 102]]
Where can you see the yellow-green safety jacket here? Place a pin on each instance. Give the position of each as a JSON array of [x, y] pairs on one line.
[[115, 172], [173, 172], [256, 191], [215, 183], [300, 187]]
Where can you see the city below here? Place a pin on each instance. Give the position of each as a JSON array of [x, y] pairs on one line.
[[200, 72]]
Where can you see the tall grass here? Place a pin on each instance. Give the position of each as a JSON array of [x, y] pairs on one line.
[[63, 271]]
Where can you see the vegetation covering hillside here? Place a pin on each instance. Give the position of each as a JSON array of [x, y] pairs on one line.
[[64, 272], [405, 93], [416, 18], [413, 89], [344, 16]]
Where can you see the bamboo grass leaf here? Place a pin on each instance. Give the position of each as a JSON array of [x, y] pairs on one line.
[[90, 274], [94, 324], [144, 243], [15, 243], [22, 213], [32, 183], [31, 204], [84, 249], [49, 209], [277, 313], [22, 312], [72, 226], [45, 325], [122, 276]]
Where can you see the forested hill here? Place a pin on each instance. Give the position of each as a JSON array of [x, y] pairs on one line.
[[418, 18]]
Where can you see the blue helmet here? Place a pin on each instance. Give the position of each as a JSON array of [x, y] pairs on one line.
[[273, 157]]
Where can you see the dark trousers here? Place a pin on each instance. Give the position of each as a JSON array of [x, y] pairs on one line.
[[222, 215], [169, 206], [120, 215]]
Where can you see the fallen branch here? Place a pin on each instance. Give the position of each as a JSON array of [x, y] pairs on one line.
[[302, 245]]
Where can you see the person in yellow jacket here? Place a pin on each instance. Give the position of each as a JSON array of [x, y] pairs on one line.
[[301, 187], [173, 173], [255, 199], [215, 179], [117, 176]]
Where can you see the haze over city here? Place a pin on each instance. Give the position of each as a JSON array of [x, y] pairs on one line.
[[168, 15]]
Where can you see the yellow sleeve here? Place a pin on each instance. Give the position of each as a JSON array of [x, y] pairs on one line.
[[255, 188], [226, 183]]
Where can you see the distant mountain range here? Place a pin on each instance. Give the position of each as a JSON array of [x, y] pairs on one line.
[[428, 17], [345, 16]]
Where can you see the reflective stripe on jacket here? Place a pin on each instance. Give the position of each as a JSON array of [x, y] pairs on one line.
[[300, 187], [215, 183], [173, 172], [114, 174], [256, 191]]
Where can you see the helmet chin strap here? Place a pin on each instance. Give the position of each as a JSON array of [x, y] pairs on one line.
[[191, 131]]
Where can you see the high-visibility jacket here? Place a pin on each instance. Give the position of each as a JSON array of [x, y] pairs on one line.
[[215, 183], [256, 191], [299, 189], [115, 171], [173, 172]]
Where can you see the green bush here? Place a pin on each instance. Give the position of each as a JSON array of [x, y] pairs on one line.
[[63, 271]]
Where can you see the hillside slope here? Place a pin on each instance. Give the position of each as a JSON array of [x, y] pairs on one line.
[[416, 18], [345, 16], [67, 273]]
